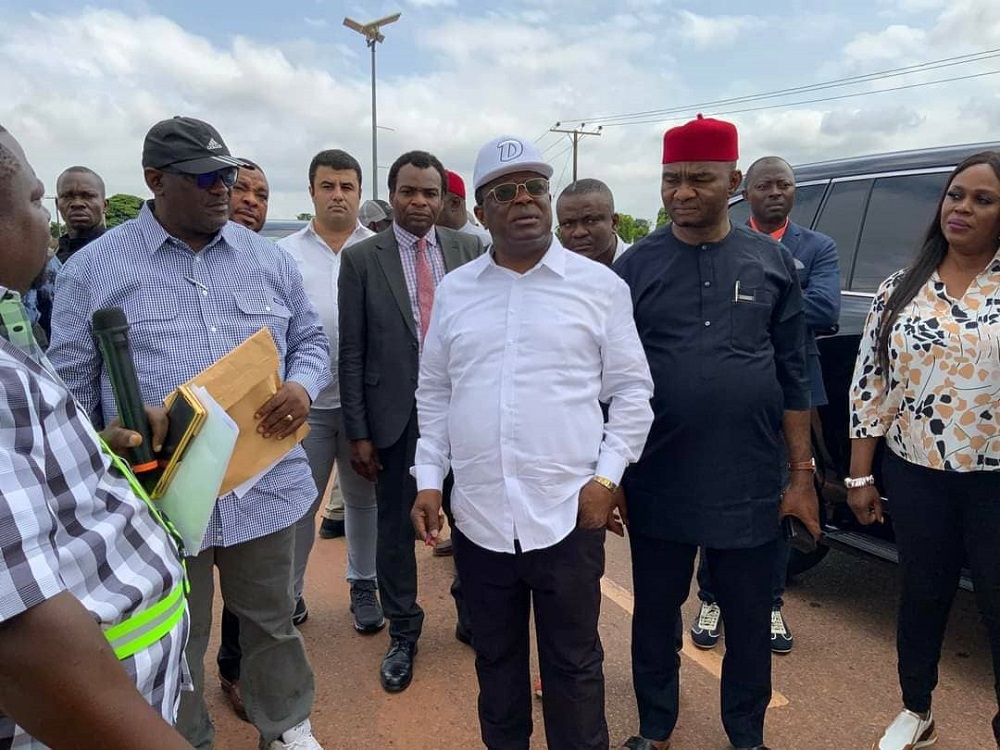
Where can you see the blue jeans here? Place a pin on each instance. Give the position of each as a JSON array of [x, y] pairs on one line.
[[779, 572]]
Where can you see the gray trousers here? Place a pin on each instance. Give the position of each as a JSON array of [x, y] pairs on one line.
[[326, 445], [256, 582]]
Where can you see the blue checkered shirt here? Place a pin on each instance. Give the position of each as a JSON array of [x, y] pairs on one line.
[[186, 310], [407, 242]]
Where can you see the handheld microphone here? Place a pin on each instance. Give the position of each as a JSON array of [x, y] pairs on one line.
[[111, 331]]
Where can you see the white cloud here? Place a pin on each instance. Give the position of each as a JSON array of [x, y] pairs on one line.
[[715, 31], [431, 3], [473, 75]]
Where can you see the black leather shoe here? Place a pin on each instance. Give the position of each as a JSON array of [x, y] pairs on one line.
[[463, 634], [331, 529], [396, 673], [641, 743]]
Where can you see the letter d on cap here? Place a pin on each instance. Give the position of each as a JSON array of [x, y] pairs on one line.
[[509, 150]]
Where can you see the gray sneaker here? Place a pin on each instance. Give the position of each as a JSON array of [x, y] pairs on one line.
[[368, 617]]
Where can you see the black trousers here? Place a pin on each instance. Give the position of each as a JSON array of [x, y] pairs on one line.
[[230, 653], [941, 518], [661, 580], [563, 582], [395, 553]]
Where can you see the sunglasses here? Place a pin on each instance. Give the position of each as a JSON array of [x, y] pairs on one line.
[[507, 191], [207, 180]]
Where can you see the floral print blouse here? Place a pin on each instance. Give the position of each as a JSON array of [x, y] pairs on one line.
[[942, 403]]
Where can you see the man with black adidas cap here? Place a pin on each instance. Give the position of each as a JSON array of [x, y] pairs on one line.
[[194, 286], [524, 344]]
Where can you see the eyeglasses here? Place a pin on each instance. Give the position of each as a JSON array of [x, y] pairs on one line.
[[507, 191], [207, 180]]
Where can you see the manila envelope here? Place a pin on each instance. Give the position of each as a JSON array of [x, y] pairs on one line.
[[242, 382]]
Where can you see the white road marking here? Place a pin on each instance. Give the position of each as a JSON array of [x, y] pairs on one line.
[[710, 661]]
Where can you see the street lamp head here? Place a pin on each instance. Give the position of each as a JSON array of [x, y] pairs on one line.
[[371, 30]]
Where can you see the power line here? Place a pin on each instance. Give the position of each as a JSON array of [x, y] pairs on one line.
[[835, 83], [814, 101]]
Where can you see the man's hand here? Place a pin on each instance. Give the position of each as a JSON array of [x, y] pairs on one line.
[[120, 439], [597, 505], [618, 517], [427, 516], [866, 502], [800, 501], [364, 459], [284, 412]]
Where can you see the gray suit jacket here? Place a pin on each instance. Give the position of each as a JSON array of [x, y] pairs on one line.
[[379, 353]]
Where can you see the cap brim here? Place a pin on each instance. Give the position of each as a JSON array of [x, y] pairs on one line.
[[207, 164], [525, 166]]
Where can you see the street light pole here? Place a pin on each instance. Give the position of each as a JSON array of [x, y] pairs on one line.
[[371, 43], [370, 31]]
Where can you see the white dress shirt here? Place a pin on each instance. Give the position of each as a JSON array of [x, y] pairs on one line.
[[320, 268], [514, 370], [484, 236], [620, 248]]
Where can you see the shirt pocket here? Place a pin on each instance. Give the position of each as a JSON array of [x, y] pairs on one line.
[[750, 323], [260, 309]]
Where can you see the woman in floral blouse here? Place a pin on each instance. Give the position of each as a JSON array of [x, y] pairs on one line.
[[927, 380]]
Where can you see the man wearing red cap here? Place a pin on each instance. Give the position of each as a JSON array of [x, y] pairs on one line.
[[720, 314], [455, 215]]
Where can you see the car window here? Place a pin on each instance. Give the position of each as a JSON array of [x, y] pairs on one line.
[[807, 200], [739, 212], [841, 217], [898, 214]]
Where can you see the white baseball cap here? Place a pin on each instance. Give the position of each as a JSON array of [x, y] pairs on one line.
[[505, 155]]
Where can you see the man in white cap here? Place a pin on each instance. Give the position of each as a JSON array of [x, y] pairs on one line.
[[524, 344], [376, 215]]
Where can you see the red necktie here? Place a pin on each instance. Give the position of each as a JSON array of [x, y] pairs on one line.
[[425, 287]]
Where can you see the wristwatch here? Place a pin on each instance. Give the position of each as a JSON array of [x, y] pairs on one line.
[[853, 483], [606, 484]]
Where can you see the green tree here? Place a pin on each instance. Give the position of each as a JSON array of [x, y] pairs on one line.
[[55, 230], [304, 216], [662, 218], [631, 229], [122, 207]]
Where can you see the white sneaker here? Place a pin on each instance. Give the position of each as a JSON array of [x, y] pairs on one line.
[[908, 732], [299, 737]]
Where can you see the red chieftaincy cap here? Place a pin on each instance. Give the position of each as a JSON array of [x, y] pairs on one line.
[[702, 139], [455, 184]]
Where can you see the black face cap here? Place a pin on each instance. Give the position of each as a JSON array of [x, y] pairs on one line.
[[187, 145]]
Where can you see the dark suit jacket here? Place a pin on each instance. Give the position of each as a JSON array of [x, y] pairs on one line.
[[818, 265], [379, 353]]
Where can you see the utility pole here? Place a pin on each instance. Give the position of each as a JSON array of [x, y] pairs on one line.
[[576, 133]]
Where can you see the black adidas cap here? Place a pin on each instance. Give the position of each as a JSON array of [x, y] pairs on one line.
[[188, 145]]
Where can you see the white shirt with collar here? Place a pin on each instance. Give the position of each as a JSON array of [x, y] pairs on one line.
[[484, 236], [620, 248], [320, 268], [514, 370]]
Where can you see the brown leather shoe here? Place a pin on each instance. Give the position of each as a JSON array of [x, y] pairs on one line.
[[234, 696]]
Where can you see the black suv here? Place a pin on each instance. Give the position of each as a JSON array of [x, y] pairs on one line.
[[876, 208]]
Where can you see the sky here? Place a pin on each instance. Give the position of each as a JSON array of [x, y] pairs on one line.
[[82, 84]]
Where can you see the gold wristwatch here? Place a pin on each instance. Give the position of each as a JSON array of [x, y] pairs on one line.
[[606, 484]]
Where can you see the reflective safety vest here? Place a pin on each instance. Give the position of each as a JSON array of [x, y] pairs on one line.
[[147, 626]]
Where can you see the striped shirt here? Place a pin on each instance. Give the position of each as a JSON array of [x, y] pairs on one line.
[[408, 254], [186, 310], [71, 523]]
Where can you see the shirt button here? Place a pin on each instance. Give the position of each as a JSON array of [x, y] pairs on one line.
[[704, 247], [204, 292], [267, 309], [213, 329], [708, 322], [708, 283], [197, 259]]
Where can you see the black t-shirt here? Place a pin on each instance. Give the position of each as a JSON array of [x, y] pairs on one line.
[[724, 332]]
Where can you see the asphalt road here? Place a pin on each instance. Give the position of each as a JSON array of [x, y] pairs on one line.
[[836, 690]]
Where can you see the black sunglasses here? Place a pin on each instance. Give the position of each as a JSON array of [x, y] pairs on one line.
[[207, 180]]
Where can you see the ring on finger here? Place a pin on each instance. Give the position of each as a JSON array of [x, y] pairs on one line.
[[289, 418]]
